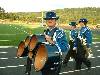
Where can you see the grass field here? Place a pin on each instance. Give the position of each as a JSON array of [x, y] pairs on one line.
[[12, 34]]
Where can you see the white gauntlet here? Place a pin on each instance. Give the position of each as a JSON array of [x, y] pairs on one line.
[[75, 48]]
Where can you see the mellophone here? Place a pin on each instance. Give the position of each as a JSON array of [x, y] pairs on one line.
[[45, 55]]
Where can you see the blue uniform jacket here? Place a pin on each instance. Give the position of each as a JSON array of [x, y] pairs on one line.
[[86, 33], [73, 36], [60, 39]]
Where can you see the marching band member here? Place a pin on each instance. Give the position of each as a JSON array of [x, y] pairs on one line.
[[55, 36], [84, 42], [86, 35], [73, 43]]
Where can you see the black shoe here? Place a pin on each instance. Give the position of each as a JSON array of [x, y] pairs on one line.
[[89, 68], [27, 72], [64, 64], [89, 65], [77, 68]]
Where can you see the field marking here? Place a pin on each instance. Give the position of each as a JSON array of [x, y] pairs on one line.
[[7, 34], [95, 42], [97, 66], [71, 71], [96, 46], [82, 69], [20, 29], [12, 58], [3, 52], [20, 65], [71, 59], [95, 38], [8, 46], [19, 57], [3, 58], [2, 67], [98, 56], [10, 34], [12, 66], [93, 67], [92, 57], [76, 70], [98, 50], [4, 40], [27, 56]]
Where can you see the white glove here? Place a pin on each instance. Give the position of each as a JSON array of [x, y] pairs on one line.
[[75, 48]]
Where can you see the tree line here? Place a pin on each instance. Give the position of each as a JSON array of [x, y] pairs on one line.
[[66, 15]]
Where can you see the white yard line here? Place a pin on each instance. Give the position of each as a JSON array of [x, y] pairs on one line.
[[4, 40], [3, 58], [95, 38], [93, 67], [71, 71], [92, 57], [20, 65], [95, 42], [97, 66], [11, 66], [98, 56], [3, 52], [8, 46], [71, 60], [82, 69], [98, 50], [19, 57], [21, 29], [26, 57], [11, 58], [96, 46], [7, 34], [2, 67]]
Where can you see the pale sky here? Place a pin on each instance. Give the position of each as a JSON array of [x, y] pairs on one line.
[[41, 5]]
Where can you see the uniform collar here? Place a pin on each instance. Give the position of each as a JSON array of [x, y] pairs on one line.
[[51, 28], [83, 26], [73, 29]]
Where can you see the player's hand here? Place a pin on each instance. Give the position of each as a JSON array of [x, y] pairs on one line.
[[49, 39], [75, 48]]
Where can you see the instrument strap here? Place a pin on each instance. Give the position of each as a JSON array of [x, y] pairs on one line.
[[51, 32]]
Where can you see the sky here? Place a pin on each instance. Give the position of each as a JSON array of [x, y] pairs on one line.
[[42, 5]]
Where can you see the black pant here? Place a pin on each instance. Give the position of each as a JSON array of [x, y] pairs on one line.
[[84, 60], [28, 65], [70, 53], [49, 71], [50, 64], [81, 56]]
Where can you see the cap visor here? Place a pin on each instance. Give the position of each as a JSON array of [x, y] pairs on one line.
[[51, 18]]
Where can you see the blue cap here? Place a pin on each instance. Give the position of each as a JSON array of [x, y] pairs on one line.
[[72, 23], [51, 15], [83, 20]]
